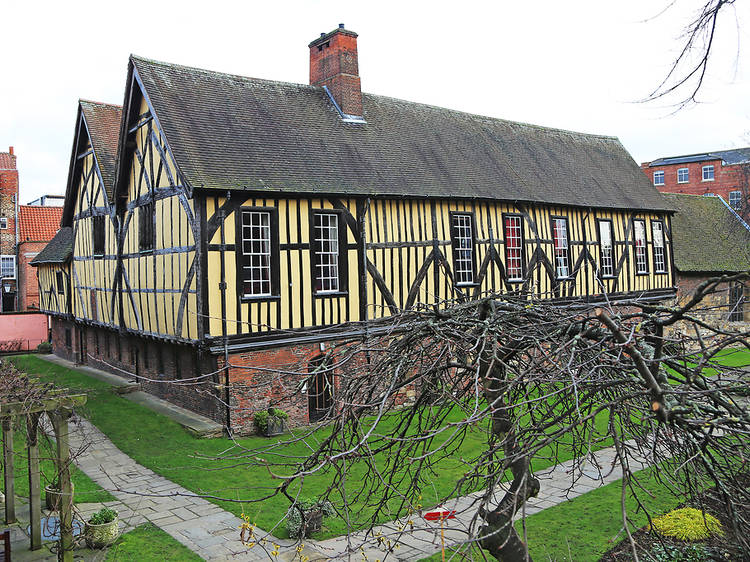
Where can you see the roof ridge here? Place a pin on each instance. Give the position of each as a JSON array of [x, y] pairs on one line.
[[219, 73]]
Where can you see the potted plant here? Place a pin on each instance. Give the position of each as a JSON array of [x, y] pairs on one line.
[[102, 528], [305, 517], [270, 422], [53, 495]]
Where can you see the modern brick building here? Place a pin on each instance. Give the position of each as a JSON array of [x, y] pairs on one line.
[[8, 229], [725, 173], [37, 225]]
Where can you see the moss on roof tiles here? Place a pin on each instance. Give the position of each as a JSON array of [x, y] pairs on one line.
[[233, 132], [58, 250], [707, 236]]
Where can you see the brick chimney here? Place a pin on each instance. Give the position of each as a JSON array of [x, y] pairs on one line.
[[333, 63]]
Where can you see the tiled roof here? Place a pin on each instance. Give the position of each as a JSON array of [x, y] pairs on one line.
[[735, 156], [59, 249], [103, 124], [231, 132], [38, 224], [7, 161], [707, 236]]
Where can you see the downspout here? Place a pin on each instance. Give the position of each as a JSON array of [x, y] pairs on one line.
[[225, 337]]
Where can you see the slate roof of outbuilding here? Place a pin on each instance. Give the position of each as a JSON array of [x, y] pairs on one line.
[[58, 250], [734, 156], [707, 236], [232, 132], [103, 124], [37, 223]]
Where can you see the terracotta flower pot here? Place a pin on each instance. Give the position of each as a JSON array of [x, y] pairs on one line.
[[103, 535]]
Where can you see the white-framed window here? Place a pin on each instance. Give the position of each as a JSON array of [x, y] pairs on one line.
[[735, 199], [657, 233], [659, 177], [683, 175], [3, 223], [709, 194], [462, 238], [326, 252], [606, 249], [514, 247], [708, 173], [641, 255], [562, 252], [8, 266], [256, 253]]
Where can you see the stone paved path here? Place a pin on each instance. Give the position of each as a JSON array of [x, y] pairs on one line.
[[213, 533]]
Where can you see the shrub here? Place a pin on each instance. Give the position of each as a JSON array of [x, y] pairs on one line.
[[260, 420], [44, 347], [104, 515], [687, 524], [688, 553], [294, 524]]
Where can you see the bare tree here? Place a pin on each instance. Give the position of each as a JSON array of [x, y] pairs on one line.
[[538, 379], [689, 68]]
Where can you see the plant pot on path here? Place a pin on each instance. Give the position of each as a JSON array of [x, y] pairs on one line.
[[102, 529], [53, 496]]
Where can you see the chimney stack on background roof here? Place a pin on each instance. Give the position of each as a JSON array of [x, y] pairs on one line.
[[10, 151], [334, 63]]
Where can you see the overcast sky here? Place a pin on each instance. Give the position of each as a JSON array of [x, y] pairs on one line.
[[579, 65]]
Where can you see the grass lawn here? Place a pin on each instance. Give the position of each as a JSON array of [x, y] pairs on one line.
[[586, 527], [86, 490], [166, 448], [148, 543]]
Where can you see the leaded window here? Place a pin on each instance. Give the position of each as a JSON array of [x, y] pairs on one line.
[[657, 233], [99, 234], [462, 233], [514, 247], [326, 252], [562, 252], [146, 233], [735, 199], [736, 302], [606, 249], [8, 266], [256, 253], [641, 254], [60, 282]]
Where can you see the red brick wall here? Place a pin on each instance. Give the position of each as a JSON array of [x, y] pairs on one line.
[[337, 66], [59, 347], [726, 179], [28, 284], [8, 191]]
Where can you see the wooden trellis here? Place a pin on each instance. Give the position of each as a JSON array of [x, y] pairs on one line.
[[58, 407]]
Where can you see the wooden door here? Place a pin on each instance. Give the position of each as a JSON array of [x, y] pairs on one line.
[[319, 390]]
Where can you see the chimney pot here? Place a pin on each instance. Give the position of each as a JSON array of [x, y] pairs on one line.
[[334, 63], [10, 149], [322, 34]]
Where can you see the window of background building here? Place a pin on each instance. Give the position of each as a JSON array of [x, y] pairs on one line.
[[708, 173], [659, 178], [3, 223], [735, 199], [8, 266], [683, 175], [462, 238]]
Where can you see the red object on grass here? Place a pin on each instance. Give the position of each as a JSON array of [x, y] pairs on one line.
[[439, 515]]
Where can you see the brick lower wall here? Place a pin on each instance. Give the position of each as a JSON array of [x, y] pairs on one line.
[[60, 341], [281, 377]]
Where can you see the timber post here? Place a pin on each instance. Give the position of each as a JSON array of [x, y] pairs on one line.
[[35, 494], [59, 420], [10, 493]]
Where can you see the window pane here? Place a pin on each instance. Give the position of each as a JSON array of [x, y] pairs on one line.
[[513, 249], [641, 258], [256, 251], [326, 252], [657, 231], [560, 239], [605, 248], [463, 248]]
